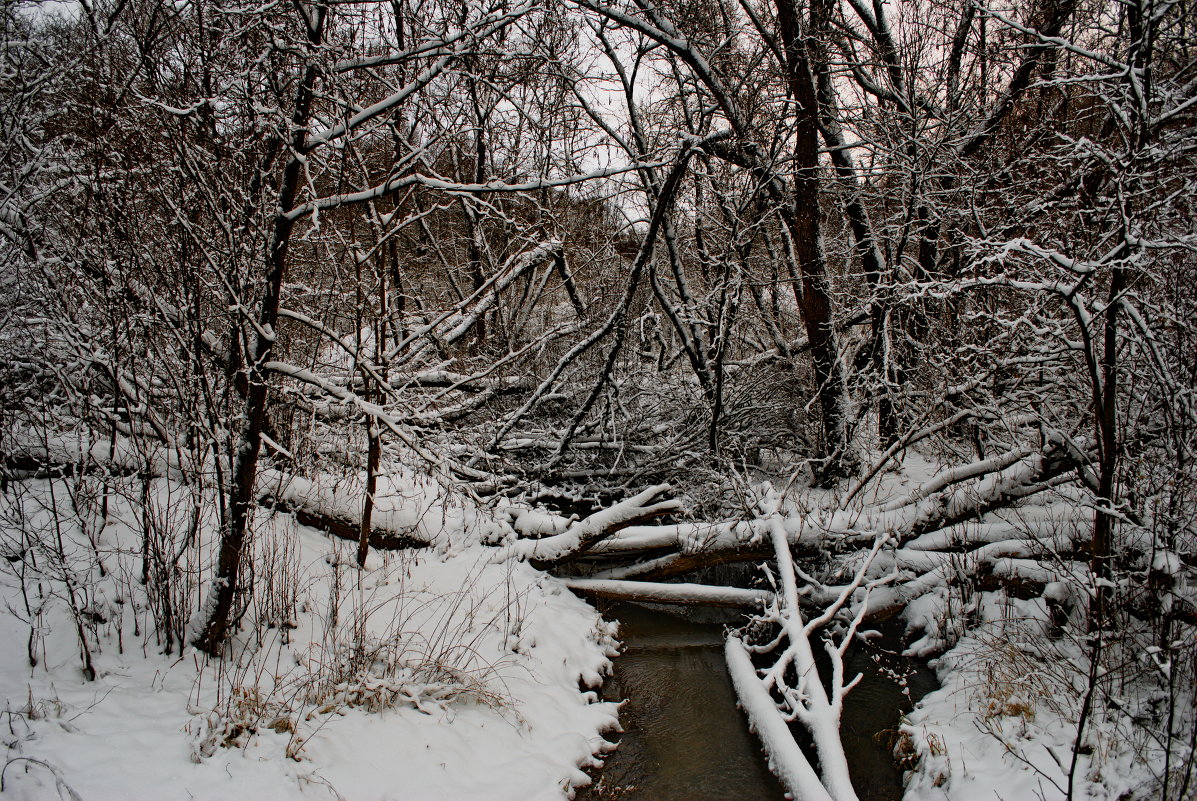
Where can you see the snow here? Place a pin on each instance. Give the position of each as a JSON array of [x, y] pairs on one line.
[[459, 671], [1005, 717], [470, 687], [1012, 688]]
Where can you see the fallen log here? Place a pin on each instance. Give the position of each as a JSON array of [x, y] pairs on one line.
[[700, 545], [581, 535], [276, 490], [346, 528], [786, 759], [680, 594]]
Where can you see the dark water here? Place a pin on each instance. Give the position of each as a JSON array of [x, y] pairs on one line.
[[873, 709], [685, 739]]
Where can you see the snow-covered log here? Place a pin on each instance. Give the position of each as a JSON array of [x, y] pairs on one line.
[[581, 535], [786, 759], [793, 687], [965, 493], [681, 594], [322, 509], [309, 500]]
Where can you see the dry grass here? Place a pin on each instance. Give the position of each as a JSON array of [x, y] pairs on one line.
[[378, 647]]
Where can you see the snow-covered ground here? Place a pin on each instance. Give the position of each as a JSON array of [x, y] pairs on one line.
[[456, 671], [1014, 680], [1004, 721], [440, 674]]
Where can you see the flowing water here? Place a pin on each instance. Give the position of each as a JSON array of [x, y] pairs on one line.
[[685, 739]]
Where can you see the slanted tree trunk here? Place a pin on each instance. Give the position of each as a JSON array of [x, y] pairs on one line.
[[1106, 420], [219, 607]]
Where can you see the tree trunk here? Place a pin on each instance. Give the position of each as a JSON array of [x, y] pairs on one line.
[[242, 497], [812, 293]]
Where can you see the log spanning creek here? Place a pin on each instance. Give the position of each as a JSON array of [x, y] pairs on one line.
[[685, 739]]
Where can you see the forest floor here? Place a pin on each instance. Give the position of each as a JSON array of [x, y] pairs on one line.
[[437, 674], [1014, 680], [451, 672]]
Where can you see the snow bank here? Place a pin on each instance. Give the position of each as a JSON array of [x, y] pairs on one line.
[[437, 675], [1013, 682], [1004, 718]]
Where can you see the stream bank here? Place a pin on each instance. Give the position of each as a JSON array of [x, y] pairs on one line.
[[686, 740]]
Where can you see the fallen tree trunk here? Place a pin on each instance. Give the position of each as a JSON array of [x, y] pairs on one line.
[[786, 759], [582, 535], [700, 545], [342, 527], [680, 594], [274, 489], [318, 503], [792, 686]]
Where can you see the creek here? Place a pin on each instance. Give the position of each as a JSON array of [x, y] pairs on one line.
[[685, 739]]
